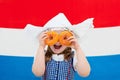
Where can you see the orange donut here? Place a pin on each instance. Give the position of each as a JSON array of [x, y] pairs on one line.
[[64, 36], [52, 38]]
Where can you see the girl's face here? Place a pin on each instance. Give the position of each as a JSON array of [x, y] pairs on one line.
[[58, 48]]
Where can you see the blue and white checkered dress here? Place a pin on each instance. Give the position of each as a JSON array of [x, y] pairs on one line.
[[59, 70]]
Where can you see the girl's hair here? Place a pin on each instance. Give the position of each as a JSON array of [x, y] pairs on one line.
[[67, 54]]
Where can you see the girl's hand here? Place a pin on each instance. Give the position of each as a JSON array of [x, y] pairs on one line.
[[42, 38], [74, 42]]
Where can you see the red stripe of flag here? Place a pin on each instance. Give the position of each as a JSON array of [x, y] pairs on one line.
[[18, 13]]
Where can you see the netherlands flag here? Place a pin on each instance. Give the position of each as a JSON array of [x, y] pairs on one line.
[[101, 44]]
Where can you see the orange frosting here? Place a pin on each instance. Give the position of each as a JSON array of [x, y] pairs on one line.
[[64, 36], [54, 37]]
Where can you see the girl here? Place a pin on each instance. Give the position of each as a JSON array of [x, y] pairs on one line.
[[60, 61]]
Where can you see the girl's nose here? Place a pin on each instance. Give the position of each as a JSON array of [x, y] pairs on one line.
[[58, 43]]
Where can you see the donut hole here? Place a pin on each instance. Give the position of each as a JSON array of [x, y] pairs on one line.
[[51, 37], [65, 37]]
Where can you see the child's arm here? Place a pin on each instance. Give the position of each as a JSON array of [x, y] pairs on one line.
[[82, 66], [38, 67]]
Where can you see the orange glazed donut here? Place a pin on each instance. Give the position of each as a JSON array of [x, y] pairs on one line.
[[64, 36], [52, 38]]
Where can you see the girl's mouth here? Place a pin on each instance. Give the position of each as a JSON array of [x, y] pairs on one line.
[[57, 46]]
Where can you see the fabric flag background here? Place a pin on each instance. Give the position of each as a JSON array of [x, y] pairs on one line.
[[16, 14]]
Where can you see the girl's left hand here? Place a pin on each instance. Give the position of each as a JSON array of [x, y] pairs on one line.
[[74, 42]]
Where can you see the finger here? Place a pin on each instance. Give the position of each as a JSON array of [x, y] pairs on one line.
[[45, 38], [70, 38], [44, 32], [44, 35], [73, 40]]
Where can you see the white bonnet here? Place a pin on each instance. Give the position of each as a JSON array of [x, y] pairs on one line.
[[60, 21]]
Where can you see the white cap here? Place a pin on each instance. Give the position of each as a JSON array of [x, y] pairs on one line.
[[61, 22]]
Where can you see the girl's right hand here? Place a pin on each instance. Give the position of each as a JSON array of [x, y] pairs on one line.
[[42, 38]]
